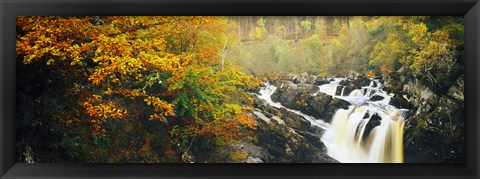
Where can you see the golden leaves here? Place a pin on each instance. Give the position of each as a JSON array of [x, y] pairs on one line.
[[418, 33], [159, 106], [118, 55], [429, 47], [52, 36]]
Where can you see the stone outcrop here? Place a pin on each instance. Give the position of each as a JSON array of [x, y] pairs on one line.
[[308, 100], [293, 139], [434, 129]]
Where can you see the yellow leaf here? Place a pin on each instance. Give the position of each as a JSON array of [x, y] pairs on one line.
[[50, 61]]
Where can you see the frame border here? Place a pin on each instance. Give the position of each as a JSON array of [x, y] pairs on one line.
[[470, 9]]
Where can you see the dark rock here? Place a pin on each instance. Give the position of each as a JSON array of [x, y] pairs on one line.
[[294, 121], [434, 127], [381, 81], [448, 117], [346, 90], [361, 81], [332, 107], [309, 89], [286, 93], [312, 138], [367, 115], [319, 82], [317, 105], [400, 102], [346, 82], [272, 141], [297, 141], [282, 144], [431, 148], [294, 96], [310, 79], [436, 136], [376, 98], [374, 121], [429, 141], [338, 103], [355, 82], [338, 91], [257, 102], [298, 97], [272, 110], [393, 83], [316, 130]]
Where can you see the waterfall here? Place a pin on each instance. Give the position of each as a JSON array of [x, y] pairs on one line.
[[330, 88], [367, 132], [350, 138]]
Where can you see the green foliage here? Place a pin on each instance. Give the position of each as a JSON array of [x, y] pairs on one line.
[[336, 27], [136, 87], [410, 43], [307, 26], [149, 89]]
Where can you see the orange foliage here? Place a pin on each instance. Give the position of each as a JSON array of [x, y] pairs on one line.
[[170, 63]]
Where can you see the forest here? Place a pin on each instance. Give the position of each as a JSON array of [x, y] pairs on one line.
[[246, 89]]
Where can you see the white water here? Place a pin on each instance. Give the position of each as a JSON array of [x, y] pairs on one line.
[[384, 144], [343, 137]]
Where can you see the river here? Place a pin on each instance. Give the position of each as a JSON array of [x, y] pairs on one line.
[[369, 131]]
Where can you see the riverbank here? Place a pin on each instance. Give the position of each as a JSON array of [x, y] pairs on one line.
[[359, 119]]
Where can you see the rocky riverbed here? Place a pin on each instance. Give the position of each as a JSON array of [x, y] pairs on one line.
[[295, 113]]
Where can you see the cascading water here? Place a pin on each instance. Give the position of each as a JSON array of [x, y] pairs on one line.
[[350, 138], [367, 132]]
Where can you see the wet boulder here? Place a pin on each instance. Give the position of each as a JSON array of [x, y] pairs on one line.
[[332, 107], [313, 138], [374, 121], [376, 98], [282, 144], [318, 104], [399, 102], [293, 120], [286, 93], [346, 90], [294, 96], [355, 82], [361, 81], [320, 81]]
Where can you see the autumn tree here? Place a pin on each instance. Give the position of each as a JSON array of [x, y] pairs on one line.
[[408, 43], [137, 72]]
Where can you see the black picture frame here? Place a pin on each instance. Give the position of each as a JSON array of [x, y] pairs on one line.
[[470, 9]]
